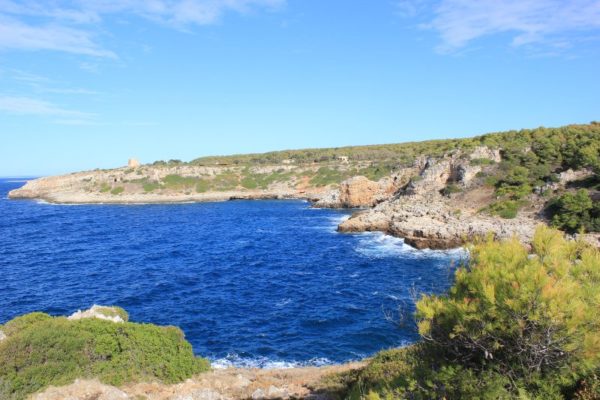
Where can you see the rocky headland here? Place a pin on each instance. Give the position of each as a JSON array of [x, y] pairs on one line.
[[438, 194]]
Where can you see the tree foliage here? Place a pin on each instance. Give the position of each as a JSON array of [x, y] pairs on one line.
[[515, 324], [573, 212]]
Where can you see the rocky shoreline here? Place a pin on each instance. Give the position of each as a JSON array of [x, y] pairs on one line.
[[413, 202], [218, 384]]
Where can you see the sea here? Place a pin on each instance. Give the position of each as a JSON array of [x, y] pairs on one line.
[[261, 283]]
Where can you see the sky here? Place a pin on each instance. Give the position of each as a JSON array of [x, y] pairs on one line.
[[88, 84]]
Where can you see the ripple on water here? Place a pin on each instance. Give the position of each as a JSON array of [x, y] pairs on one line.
[[252, 283]]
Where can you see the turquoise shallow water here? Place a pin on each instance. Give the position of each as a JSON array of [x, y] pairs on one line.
[[254, 283]]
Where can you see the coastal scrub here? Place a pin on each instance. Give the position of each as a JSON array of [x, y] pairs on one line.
[[40, 350]]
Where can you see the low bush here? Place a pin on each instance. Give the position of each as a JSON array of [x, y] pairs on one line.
[[507, 209], [117, 190], [482, 161], [41, 350], [451, 189], [572, 212], [150, 186]]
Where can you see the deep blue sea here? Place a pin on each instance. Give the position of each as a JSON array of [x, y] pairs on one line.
[[252, 283]]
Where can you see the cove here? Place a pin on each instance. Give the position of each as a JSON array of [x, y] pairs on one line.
[[251, 283]]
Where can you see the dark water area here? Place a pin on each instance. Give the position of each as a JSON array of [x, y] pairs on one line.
[[251, 283]]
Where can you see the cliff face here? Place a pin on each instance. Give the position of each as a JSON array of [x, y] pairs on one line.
[[427, 214]]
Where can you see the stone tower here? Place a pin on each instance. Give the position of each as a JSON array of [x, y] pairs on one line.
[[133, 163]]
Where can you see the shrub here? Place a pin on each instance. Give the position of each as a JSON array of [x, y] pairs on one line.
[[575, 211], [105, 188], [41, 350], [117, 190], [507, 209], [451, 189], [504, 330], [482, 161]]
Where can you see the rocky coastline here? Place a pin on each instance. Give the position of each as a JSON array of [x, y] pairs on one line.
[[413, 203]]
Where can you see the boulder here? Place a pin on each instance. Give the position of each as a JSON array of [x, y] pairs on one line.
[[465, 173], [571, 176], [486, 152], [2, 336], [433, 178], [358, 191], [101, 312]]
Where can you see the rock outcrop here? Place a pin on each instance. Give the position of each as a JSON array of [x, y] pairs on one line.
[[430, 221], [358, 192], [101, 312], [219, 384], [2, 336], [82, 390], [484, 152], [426, 219]]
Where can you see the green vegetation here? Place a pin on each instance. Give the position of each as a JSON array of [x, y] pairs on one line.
[[573, 212], [327, 176], [505, 330], [117, 190], [262, 181], [451, 189], [202, 186], [507, 209], [571, 146], [225, 181], [105, 188], [482, 161], [41, 350], [178, 181], [150, 186]]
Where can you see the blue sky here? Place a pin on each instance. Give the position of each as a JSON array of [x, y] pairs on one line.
[[90, 83]]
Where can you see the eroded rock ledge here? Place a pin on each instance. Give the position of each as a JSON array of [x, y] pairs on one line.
[[430, 221]]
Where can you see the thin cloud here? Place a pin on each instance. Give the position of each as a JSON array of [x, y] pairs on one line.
[[69, 26], [17, 35], [19, 105], [554, 23]]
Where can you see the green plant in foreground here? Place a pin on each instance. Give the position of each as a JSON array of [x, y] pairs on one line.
[[515, 324], [41, 350], [117, 190]]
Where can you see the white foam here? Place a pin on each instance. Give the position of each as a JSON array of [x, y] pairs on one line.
[[283, 302], [380, 245], [235, 361]]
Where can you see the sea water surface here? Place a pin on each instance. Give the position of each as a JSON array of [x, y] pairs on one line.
[[251, 283]]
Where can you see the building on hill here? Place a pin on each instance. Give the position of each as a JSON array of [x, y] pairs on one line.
[[133, 163]]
